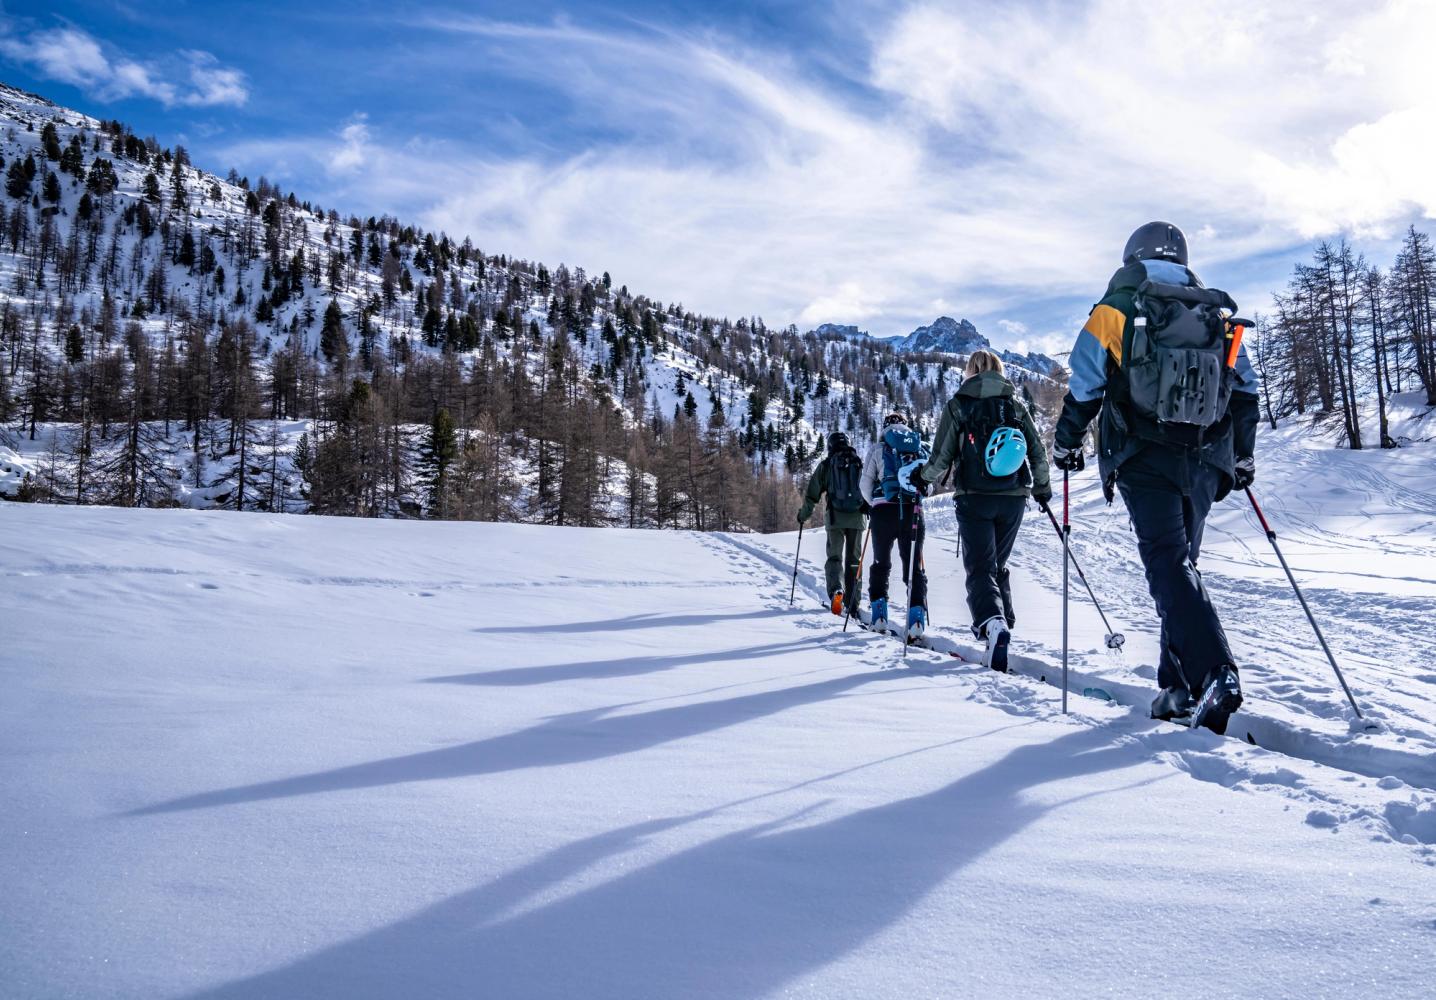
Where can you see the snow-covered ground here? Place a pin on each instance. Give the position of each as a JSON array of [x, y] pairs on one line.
[[251, 755]]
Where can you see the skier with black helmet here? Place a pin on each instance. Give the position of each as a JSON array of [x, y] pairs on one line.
[[838, 475], [1160, 363], [894, 491], [988, 437]]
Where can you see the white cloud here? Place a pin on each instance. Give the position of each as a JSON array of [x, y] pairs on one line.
[[71, 55], [351, 153], [992, 159], [212, 83], [848, 301]]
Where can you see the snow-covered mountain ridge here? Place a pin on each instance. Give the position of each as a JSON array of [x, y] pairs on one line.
[[946, 335]]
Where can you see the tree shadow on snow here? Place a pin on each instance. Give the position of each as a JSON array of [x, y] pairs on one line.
[[571, 738], [649, 620], [742, 914], [623, 666]]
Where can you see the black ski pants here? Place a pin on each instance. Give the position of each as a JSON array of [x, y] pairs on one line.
[[841, 569], [988, 527], [1169, 507], [900, 523]]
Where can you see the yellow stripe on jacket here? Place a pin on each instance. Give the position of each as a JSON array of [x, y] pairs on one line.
[[1106, 324]]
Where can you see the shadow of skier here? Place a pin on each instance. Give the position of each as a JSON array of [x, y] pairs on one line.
[[739, 915], [623, 666], [570, 738]]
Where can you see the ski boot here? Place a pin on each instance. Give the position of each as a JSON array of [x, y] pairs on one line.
[[880, 614], [1173, 704], [994, 630], [836, 603], [1221, 696], [916, 623]]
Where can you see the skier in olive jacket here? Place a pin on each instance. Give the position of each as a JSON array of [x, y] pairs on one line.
[[985, 430], [837, 475]]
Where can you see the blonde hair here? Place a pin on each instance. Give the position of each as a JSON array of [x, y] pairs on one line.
[[983, 360]]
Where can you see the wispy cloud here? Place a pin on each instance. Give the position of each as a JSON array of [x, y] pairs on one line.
[[983, 159], [71, 55]]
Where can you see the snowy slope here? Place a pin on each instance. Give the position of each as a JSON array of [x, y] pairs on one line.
[[259, 756]]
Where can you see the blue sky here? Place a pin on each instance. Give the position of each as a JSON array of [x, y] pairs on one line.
[[856, 162]]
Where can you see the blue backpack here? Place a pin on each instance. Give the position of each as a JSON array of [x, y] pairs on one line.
[[902, 449]]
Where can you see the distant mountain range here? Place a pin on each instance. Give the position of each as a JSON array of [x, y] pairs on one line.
[[946, 335]]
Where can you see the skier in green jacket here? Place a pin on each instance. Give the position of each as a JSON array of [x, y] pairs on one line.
[[837, 475], [989, 437]]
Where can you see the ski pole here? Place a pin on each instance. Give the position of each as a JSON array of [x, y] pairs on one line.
[[794, 590], [1114, 640], [1271, 537], [858, 584], [1066, 537]]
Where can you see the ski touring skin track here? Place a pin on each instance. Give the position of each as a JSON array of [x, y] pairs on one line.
[[1340, 752]]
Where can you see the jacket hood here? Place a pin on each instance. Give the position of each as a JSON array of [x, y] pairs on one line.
[[1167, 272], [984, 385]]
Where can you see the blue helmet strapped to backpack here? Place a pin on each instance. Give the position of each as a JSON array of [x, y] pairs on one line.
[[1005, 452], [903, 451]]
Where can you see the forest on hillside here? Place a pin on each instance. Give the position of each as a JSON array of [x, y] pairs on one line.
[[169, 336]]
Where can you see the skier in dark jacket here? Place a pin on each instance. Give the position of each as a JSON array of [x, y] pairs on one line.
[[837, 475], [1173, 446], [995, 471]]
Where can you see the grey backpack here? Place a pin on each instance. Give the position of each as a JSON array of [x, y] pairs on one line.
[[1175, 362]]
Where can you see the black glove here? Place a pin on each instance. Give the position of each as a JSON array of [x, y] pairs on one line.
[[1068, 459], [1043, 497], [1245, 473], [866, 508], [803, 518], [921, 485]]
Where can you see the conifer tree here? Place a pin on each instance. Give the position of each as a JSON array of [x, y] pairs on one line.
[[436, 454], [333, 341]]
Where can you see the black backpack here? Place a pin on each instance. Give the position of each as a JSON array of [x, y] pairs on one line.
[[845, 472], [981, 417], [1174, 359]]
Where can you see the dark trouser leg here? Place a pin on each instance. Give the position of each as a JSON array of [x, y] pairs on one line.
[[1004, 586], [833, 567], [913, 531], [1006, 522], [884, 525], [977, 527], [1169, 529], [853, 543]]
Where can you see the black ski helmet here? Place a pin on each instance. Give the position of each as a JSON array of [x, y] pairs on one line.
[[894, 418], [1156, 241], [838, 441]]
